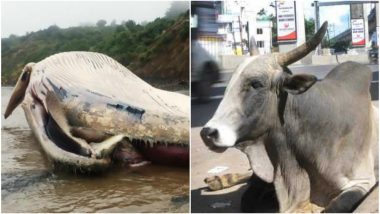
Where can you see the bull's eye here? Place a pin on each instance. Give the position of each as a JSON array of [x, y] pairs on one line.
[[256, 84]]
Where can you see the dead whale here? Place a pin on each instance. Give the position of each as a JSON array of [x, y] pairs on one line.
[[86, 109]]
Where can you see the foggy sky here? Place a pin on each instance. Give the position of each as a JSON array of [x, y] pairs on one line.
[[20, 17]]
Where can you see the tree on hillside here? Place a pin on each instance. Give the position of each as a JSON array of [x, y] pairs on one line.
[[130, 25], [101, 23], [176, 8], [129, 43], [53, 28]]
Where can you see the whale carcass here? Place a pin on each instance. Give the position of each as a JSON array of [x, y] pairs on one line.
[[86, 110]]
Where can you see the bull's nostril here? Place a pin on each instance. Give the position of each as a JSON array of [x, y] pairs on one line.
[[209, 133], [213, 134]]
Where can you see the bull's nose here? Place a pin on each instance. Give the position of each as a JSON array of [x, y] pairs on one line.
[[209, 134]]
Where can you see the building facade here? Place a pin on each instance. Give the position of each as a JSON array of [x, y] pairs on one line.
[[226, 27]]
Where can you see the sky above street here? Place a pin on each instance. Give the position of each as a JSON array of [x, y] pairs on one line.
[[337, 16]]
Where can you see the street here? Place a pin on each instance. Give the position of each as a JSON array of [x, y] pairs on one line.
[[205, 163]]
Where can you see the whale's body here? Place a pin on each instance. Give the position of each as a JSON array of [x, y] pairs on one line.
[[78, 102]]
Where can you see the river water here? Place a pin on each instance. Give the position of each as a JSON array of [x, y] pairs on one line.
[[30, 185]]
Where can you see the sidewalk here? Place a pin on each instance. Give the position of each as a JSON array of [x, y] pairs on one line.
[[203, 160]]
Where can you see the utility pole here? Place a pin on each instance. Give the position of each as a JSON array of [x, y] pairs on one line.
[[316, 9], [241, 30]]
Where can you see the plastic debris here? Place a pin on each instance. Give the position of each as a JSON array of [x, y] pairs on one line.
[[217, 169], [217, 205]]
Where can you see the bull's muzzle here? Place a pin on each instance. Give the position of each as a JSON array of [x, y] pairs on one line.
[[210, 136]]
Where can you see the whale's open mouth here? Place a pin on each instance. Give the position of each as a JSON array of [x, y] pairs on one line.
[[129, 150], [64, 149], [163, 153]]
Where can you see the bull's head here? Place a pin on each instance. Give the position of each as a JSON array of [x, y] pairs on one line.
[[253, 101]]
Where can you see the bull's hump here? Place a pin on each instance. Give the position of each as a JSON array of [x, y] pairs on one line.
[[352, 73]]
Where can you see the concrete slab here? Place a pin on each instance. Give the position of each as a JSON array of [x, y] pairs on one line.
[[370, 203], [202, 161]]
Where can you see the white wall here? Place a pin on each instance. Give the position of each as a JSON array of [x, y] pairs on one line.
[[300, 22], [266, 36]]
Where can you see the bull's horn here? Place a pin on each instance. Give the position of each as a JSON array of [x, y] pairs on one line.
[[253, 50], [301, 51]]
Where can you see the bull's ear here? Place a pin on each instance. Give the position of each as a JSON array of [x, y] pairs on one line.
[[298, 83]]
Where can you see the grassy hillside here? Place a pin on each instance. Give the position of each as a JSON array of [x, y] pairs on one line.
[[171, 46], [157, 51]]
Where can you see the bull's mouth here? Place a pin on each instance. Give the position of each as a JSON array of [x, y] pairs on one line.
[[64, 149], [211, 145], [217, 149]]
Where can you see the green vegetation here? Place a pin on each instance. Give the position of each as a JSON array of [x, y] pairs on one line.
[[341, 46], [160, 43], [309, 28]]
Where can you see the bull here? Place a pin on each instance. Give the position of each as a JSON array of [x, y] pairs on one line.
[[316, 136]]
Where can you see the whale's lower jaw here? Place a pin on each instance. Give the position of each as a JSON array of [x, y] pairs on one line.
[[37, 119], [65, 154]]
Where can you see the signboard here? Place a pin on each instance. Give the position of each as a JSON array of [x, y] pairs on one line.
[[357, 30], [225, 18], [194, 21], [286, 21]]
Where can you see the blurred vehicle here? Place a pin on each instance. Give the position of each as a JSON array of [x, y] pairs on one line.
[[373, 55], [204, 72]]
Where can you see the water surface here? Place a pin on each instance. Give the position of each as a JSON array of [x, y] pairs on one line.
[[29, 184]]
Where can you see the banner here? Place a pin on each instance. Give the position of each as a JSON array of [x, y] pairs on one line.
[[286, 21], [357, 30]]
